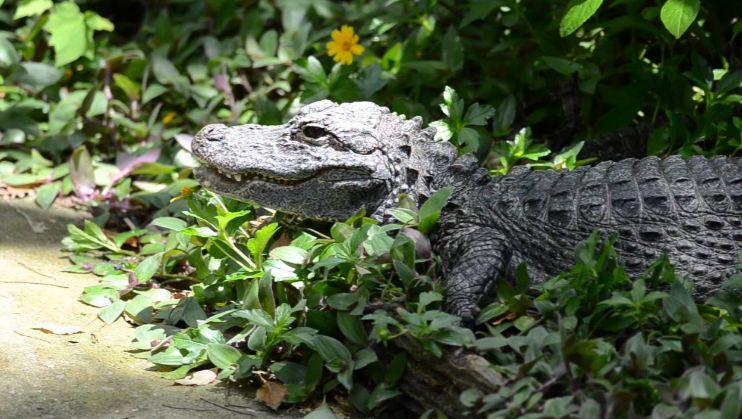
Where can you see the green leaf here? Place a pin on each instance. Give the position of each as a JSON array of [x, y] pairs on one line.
[[99, 295], [453, 51], [335, 354], [96, 22], [46, 194], [112, 312], [8, 54], [32, 8], [677, 15], [578, 12], [478, 114], [365, 357], [731, 407], [164, 70], [352, 328], [430, 211], [129, 87], [701, 386], [222, 355], [289, 254], [170, 223], [443, 131], [153, 90], [257, 317], [379, 395], [148, 267], [187, 310], [322, 412], [562, 65], [67, 28], [257, 244]]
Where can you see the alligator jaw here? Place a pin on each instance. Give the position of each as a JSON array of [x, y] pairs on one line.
[[212, 176]]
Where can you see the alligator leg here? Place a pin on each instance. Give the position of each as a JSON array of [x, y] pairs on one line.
[[479, 260]]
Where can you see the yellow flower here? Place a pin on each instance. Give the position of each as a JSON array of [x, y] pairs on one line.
[[168, 118], [344, 45]]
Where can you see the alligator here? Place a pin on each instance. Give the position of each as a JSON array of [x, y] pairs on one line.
[[332, 160]]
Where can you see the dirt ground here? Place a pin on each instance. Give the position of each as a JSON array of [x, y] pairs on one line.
[[85, 375]]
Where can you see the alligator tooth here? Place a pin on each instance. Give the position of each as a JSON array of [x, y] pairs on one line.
[[238, 177]]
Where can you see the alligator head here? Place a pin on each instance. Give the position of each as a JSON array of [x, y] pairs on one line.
[[326, 163]]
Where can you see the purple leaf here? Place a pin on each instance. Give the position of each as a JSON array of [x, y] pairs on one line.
[[185, 141], [81, 174]]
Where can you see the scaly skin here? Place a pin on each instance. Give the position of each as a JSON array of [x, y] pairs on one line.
[[332, 160]]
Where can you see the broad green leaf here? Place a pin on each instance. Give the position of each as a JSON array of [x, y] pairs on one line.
[[82, 174], [132, 89], [578, 12], [335, 354], [222, 355], [99, 295], [148, 267], [112, 312], [170, 223], [289, 254], [478, 114], [32, 8], [379, 395], [257, 244], [453, 51], [67, 28], [731, 407], [153, 90], [677, 15], [562, 65], [95, 22], [364, 357], [164, 70], [257, 317], [8, 54], [38, 75], [352, 328], [46, 194], [701, 386], [187, 310], [430, 211], [443, 131], [322, 412]]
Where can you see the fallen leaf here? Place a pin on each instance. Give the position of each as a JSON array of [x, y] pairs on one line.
[[271, 393], [198, 378], [509, 316], [58, 329], [12, 192]]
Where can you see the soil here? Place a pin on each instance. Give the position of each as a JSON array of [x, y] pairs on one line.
[[88, 374]]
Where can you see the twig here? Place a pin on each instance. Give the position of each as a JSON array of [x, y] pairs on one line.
[[37, 272], [31, 337], [242, 407], [33, 283], [225, 407], [187, 408]]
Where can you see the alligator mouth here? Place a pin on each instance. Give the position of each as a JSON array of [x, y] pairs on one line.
[[327, 174], [227, 177]]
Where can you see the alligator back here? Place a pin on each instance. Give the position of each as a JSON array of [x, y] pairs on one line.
[[691, 209]]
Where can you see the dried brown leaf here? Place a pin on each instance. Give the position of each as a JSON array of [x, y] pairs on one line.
[[271, 393], [198, 378], [58, 329]]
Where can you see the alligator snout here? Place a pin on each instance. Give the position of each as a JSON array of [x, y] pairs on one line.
[[212, 132]]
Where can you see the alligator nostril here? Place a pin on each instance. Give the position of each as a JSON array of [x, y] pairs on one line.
[[213, 132]]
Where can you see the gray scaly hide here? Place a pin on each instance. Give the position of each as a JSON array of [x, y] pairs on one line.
[[331, 160]]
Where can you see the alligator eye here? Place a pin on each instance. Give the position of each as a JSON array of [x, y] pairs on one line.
[[313, 131]]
